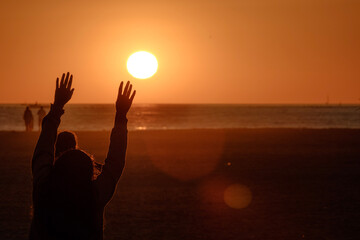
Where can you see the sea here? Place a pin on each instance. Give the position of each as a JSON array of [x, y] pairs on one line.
[[100, 117]]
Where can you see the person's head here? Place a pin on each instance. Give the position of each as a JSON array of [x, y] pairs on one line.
[[65, 141], [74, 166], [72, 203]]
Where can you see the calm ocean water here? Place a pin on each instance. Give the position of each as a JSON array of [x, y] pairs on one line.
[[190, 116]]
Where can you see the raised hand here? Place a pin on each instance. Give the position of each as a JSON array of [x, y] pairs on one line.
[[63, 91], [125, 98]]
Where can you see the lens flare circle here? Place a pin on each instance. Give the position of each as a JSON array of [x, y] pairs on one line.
[[142, 65], [237, 196]]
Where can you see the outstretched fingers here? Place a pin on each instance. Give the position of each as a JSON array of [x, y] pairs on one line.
[[64, 90], [120, 89], [126, 92], [71, 93], [62, 80], [126, 88], [132, 96], [70, 82], [66, 79], [129, 91]]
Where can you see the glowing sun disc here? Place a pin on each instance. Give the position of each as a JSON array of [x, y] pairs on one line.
[[142, 65]]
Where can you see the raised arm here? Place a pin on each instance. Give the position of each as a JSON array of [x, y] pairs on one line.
[[43, 157], [115, 161]]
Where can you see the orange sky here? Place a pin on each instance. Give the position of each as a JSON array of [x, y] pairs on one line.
[[240, 51]]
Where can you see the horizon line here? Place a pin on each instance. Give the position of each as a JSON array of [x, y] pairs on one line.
[[185, 103]]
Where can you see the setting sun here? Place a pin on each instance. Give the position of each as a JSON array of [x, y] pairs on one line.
[[142, 65]]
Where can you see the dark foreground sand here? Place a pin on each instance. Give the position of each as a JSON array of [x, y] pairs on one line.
[[303, 184]]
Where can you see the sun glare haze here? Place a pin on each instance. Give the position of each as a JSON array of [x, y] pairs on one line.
[[142, 65]]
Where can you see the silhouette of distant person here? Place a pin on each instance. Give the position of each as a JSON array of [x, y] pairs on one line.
[[68, 203], [41, 114], [29, 119]]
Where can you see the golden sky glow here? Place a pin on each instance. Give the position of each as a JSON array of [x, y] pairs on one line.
[[249, 51]]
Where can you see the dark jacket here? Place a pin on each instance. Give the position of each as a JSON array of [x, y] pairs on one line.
[[42, 165]]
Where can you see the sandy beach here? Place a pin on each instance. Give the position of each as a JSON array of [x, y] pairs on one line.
[[297, 184]]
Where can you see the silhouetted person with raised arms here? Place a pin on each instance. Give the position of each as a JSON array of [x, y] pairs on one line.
[[68, 203], [41, 114], [29, 119]]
